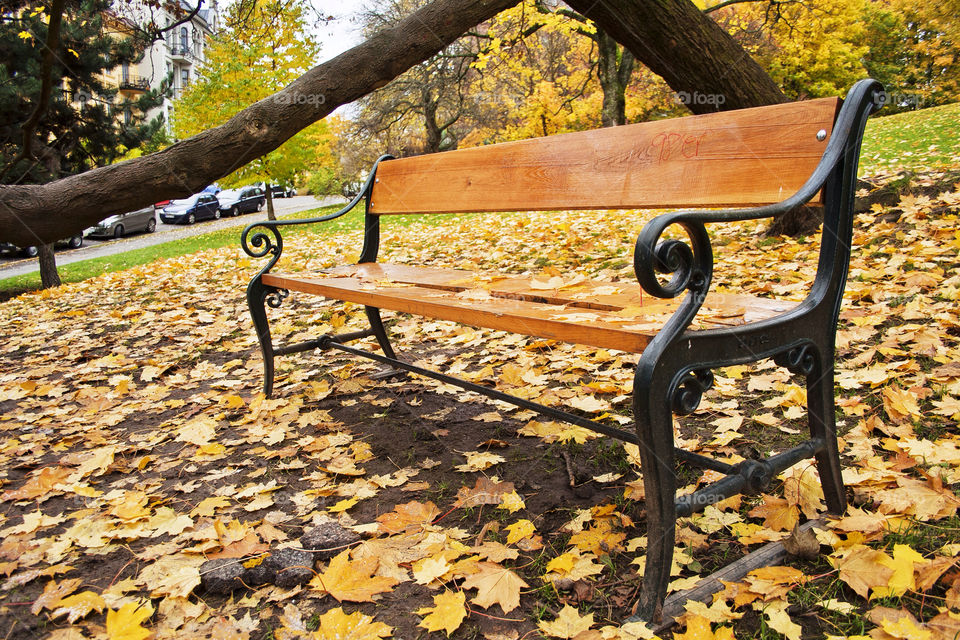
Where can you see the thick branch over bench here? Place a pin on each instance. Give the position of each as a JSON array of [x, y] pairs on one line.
[[35, 214]]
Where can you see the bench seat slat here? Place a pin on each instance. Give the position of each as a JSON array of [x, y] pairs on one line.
[[610, 315]]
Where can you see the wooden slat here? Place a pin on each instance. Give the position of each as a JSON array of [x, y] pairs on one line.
[[745, 157], [608, 315]]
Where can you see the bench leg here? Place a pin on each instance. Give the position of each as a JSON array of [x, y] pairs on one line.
[[380, 332], [654, 423], [258, 296], [822, 412]]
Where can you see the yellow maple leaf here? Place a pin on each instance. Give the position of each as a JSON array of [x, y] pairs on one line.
[[777, 513], [512, 502], [698, 628], [125, 623], [567, 624], [447, 613], [208, 505], [343, 505], [600, 539], [863, 568], [429, 569], [79, 605], [495, 585], [484, 491], [903, 564], [900, 405], [562, 563], [53, 593], [479, 460], [411, 514], [779, 620], [519, 530], [199, 431], [352, 580], [337, 625]]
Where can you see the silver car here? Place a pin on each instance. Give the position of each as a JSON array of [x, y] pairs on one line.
[[125, 223]]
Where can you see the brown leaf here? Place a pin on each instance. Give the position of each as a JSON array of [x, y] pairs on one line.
[[802, 543], [412, 514], [777, 513], [484, 491]]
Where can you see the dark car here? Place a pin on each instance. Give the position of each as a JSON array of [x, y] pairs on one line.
[[73, 242], [243, 200], [280, 191], [125, 223], [187, 211]]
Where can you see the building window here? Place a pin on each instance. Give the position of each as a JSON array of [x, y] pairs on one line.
[[184, 78], [184, 41], [127, 116], [125, 71]]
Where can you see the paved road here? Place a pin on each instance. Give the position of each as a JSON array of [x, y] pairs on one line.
[[165, 233]]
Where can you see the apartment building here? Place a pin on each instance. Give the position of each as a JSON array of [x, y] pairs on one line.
[[177, 55]]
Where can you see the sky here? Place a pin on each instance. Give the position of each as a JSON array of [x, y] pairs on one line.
[[340, 34]]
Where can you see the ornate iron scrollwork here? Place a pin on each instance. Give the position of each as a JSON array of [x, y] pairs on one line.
[[691, 265], [275, 297], [261, 244], [799, 360], [688, 391]]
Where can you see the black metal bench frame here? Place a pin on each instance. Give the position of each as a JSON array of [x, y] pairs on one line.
[[675, 369]]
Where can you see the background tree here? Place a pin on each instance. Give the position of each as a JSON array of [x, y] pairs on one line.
[[58, 116], [420, 111], [914, 49], [263, 47]]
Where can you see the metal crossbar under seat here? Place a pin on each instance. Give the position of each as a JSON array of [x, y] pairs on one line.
[[675, 363]]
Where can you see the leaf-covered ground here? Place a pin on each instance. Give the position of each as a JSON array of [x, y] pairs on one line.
[[135, 448]]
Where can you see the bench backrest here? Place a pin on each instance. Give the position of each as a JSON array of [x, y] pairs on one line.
[[735, 158]]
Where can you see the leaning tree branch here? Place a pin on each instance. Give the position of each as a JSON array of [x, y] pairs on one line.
[[685, 47], [42, 213]]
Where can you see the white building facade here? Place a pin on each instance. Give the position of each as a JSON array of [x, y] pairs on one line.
[[177, 56]]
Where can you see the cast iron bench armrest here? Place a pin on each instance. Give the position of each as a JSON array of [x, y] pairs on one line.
[[261, 244], [691, 265]]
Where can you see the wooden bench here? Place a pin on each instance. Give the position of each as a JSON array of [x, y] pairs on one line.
[[763, 162]]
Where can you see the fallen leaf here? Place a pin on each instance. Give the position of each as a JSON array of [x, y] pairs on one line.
[[495, 585], [352, 580], [337, 625], [447, 613], [567, 624], [125, 623]]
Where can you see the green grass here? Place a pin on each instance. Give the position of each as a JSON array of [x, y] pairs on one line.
[[84, 269], [913, 140]]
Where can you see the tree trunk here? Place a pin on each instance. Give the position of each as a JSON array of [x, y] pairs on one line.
[[271, 214], [434, 134], [49, 277], [692, 53], [192, 164], [613, 69]]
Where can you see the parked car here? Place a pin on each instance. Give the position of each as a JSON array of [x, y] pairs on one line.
[[243, 200], [187, 211], [73, 242], [281, 191], [125, 223]]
